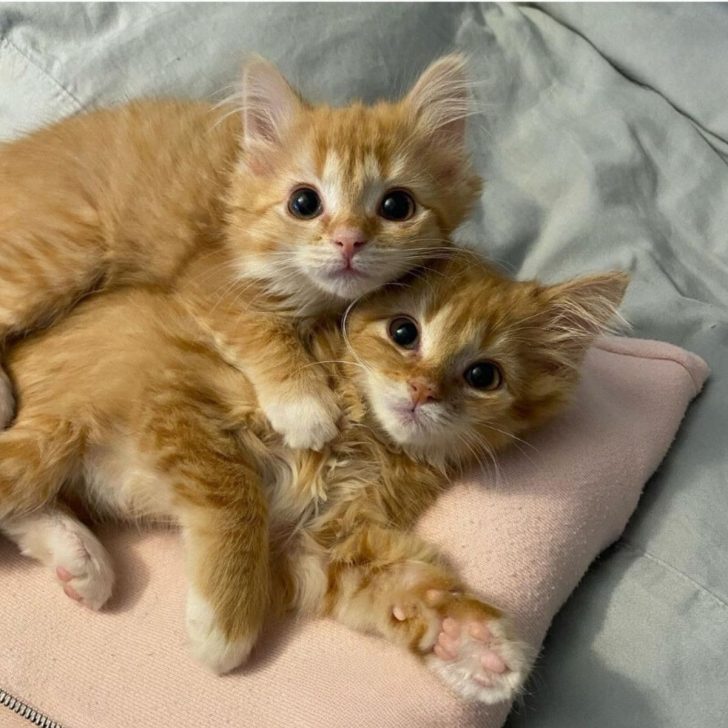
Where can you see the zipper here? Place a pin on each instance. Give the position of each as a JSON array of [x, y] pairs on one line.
[[25, 711]]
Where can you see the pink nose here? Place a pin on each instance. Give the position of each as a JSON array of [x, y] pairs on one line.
[[349, 241], [422, 391]]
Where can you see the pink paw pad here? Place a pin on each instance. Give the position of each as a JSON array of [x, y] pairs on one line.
[[493, 662], [475, 657], [71, 592], [65, 577], [456, 641], [64, 574]]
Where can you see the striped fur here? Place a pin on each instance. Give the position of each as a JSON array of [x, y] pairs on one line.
[[124, 407], [185, 195]]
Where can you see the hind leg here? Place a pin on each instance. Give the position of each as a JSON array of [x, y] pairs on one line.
[[37, 454], [391, 583], [227, 599], [219, 501], [63, 544]]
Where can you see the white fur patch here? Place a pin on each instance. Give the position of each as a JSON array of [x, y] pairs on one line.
[[291, 279], [119, 481], [463, 673], [305, 421], [434, 433], [333, 184], [374, 186], [434, 331], [383, 393], [209, 645], [58, 540], [361, 184]]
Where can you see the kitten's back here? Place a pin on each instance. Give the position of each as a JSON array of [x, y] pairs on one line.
[[112, 353], [137, 184]]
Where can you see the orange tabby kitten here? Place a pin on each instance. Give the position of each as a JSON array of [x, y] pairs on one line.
[[124, 407], [295, 208]]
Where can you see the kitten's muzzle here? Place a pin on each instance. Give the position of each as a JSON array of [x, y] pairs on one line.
[[422, 391], [349, 241]]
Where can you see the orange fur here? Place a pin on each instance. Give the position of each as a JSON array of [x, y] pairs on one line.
[[143, 420], [190, 196]]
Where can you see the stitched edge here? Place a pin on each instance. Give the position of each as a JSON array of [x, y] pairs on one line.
[[10, 44]]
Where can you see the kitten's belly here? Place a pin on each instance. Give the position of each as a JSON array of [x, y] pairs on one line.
[[119, 481]]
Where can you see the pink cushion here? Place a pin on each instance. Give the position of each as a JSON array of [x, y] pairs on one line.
[[523, 541]]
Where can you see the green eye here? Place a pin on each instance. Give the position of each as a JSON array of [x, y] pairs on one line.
[[484, 375], [404, 332]]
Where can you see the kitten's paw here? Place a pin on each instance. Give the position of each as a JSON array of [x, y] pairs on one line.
[[7, 400], [475, 655], [306, 422], [207, 641], [81, 564]]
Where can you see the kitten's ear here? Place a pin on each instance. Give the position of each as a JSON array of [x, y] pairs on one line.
[[580, 310], [440, 100], [269, 104]]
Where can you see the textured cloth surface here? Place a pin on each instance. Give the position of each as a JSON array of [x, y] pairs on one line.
[[604, 144], [522, 537], [9, 719]]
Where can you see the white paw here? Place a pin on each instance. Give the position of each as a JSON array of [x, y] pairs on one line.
[[63, 544], [209, 645], [7, 400], [477, 659], [80, 562], [306, 422]]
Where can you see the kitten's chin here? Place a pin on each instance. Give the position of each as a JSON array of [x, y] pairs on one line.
[[416, 433], [345, 284]]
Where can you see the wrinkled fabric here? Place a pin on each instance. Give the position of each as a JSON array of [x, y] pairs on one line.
[[603, 137]]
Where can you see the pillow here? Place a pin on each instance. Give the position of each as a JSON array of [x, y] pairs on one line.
[[523, 537]]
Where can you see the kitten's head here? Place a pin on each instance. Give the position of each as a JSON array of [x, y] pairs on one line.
[[339, 201], [462, 360]]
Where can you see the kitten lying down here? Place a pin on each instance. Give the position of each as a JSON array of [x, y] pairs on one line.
[[297, 208], [123, 406]]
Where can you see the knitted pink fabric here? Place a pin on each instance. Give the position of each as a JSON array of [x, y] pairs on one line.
[[523, 541]]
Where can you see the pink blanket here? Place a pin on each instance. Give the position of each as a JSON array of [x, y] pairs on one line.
[[523, 539]]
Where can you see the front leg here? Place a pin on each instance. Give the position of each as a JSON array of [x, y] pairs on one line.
[[393, 584], [291, 387]]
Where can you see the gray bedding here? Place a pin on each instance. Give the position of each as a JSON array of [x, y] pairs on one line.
[[604, 140]]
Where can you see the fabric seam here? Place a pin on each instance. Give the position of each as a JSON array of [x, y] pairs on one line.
[[629, 546], [10, 44]]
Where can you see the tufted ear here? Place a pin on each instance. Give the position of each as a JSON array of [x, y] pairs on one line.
[[440, 100], [269, 104], [578, 311]]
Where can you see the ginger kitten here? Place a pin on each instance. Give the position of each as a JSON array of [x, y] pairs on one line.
[[123, 406], [296, 209]]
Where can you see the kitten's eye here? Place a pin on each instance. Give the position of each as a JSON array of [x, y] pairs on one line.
[[484, 375], [397, 205], [305, 203], [404, 332]]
